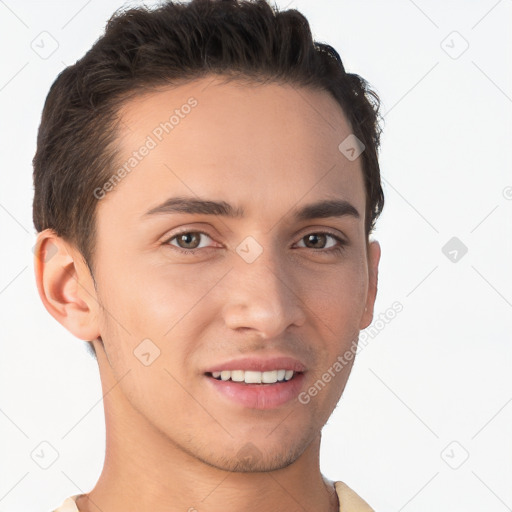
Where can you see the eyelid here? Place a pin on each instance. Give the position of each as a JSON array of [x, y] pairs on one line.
[[342, 242], [326, 231], [168, 239]]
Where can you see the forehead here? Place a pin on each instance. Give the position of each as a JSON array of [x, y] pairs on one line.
[[248, 144]]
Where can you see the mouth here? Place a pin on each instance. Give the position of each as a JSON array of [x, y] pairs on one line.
[[253, 389], [269, 382], [269, 377]]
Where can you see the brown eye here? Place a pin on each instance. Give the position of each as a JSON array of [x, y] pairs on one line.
[[323, 243], [188, 240], [317, 240]]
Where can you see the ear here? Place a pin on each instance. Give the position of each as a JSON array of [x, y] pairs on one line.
[[373, 274], [65, 285]]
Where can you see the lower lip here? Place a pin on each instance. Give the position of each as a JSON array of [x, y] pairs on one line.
[[259, 396]]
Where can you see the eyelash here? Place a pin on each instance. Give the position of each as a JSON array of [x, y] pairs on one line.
[[338, 249]]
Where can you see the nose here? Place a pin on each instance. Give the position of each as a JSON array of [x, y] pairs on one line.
[[263, 296]]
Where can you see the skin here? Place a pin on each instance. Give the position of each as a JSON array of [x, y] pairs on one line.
[[172, 442]]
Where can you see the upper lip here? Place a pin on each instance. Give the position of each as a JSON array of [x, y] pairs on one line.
[[259, 364]]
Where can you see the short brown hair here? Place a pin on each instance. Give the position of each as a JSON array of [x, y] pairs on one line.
[[142, 49]]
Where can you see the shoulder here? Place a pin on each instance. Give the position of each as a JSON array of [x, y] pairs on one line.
[[349, 500], [68, 505]]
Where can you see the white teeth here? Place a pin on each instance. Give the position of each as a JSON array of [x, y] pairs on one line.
[[237, 375], [269, 377], [254, 377]]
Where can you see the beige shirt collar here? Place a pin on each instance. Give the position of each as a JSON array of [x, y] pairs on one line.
[[349, 501]]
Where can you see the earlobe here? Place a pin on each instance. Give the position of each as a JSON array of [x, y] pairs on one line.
[[65, 285], [373, 274]]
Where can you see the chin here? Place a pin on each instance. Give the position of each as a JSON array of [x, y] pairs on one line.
[[261, 456], [248, 464]]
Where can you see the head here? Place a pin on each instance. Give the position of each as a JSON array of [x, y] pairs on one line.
[[231, 104]]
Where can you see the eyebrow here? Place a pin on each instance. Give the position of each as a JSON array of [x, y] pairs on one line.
[[318, 210]]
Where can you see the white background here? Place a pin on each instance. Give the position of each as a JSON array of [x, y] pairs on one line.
[[435, 385]]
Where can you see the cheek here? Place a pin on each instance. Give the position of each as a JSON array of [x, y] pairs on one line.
[[339, 297], [144, 330], [167, 304], [153, 298]]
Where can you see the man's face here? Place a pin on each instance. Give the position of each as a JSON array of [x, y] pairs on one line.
[[265, 290]]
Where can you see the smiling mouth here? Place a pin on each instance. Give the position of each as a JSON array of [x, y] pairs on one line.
[[254, 377]]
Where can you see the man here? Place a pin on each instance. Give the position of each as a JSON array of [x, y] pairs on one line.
[[206, 182]]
